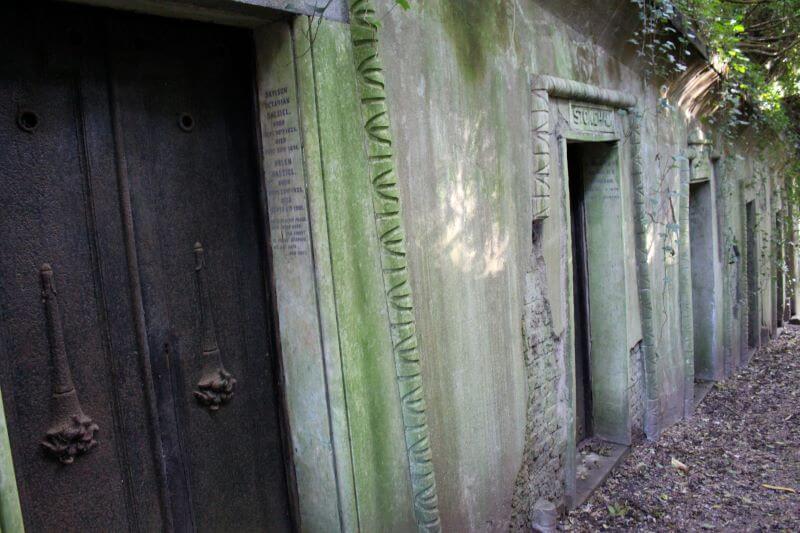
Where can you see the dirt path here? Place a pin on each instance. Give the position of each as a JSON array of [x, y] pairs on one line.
[[744, 437]]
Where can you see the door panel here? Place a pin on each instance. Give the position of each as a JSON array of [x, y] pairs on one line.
[[55, 185], [108, 92], [196, 182]]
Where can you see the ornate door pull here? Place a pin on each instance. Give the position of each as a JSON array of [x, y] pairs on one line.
[[216, 384], [72, 432]]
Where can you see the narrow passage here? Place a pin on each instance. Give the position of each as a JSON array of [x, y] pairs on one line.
[[734, 466]]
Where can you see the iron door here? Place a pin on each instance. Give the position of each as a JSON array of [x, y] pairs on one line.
[[184, 94], [136, 365]]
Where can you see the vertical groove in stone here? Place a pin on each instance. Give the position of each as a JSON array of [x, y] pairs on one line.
[[650, 353], [388, 219]]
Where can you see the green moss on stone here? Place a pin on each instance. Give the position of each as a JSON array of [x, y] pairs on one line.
[[476, 28]]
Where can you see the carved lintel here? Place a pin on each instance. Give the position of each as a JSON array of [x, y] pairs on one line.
[[699, 155], [72, 432], [544, 88], [216, 384], [697, 137]]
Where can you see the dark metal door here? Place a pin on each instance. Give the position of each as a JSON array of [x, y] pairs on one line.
[[135, 325]]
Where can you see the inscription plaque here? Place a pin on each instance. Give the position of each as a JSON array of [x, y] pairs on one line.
[[591, 118], [285, 189]]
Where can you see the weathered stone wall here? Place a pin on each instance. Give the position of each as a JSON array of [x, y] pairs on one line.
[[490, 334], [493, 304], [463, 164]]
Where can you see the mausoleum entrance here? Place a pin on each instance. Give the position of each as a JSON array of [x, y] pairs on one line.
[[140, 368], [753, 315], [580, 296], [598, 142], [598, 296], [702, 253]]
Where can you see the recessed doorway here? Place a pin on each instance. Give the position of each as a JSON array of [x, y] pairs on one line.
[[753, 319], [702, 252], [580, 296], [599, 317], [780, 269]]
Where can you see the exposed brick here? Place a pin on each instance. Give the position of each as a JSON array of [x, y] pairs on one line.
[[542, 472]]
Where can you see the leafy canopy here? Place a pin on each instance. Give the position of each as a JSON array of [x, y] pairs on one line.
[[759, 43]]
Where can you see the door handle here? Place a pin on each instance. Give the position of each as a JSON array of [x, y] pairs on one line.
[[216, 384], [71, 432]]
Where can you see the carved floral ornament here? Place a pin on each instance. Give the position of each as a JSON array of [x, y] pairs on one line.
[[545, 87]]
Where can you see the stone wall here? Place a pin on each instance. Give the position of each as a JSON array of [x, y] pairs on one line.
[[493, 305], [490, 329]]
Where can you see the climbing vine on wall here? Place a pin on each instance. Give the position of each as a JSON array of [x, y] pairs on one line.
[[751, 73], [753, 54]]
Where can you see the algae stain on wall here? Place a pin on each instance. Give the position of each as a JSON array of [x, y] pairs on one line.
[[477, 29], [463, 150], [474, 109]]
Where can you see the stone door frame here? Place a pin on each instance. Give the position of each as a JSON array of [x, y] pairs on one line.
[[699, 168], [352, 376], [608, 112]]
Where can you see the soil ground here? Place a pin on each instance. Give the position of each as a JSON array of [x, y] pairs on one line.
[[732, 467]]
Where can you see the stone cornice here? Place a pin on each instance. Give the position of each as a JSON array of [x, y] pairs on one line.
[[575, 90]]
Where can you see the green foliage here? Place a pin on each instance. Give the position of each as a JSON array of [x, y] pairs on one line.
[[754, 45], [618, 510], [756, 41]]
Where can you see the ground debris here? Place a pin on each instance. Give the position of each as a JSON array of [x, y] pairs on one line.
[[734, 466]]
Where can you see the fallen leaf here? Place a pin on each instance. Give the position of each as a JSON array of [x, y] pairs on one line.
[[679, 465], [778, 487]]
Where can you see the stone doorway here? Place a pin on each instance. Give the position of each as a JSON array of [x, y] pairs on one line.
[[598, 310], [580, 295], [781, 303], [753, 322], [702, 253]]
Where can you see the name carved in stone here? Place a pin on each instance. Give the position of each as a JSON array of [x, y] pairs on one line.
[[591, 118]]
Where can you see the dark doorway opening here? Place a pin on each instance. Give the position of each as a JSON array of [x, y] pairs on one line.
[[753, 326], [580, 295], [702, 252], [782, 305]]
